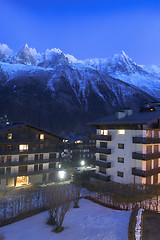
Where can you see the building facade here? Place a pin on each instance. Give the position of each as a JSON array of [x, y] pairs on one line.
[[128, 147], [28, 155], [81, 151]]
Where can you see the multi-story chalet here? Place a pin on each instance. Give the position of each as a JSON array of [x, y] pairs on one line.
[[128, 146], [81, 151], [27, 155]]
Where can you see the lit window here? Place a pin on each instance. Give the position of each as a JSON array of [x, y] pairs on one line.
[[103, 132], [23, 147], [41, 137], [9, 136], [121, 132], [78, 141]]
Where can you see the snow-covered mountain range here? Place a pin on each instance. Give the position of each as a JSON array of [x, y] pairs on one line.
[[57, 91]]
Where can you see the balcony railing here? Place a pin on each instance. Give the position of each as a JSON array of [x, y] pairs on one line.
[[142, 173], [29, 151], [102, 137], [146, 140], [105, 178], [145, 157], [22, 141], [154, 125], [103, 150], [29, 162], [104, 164], [28, 173]]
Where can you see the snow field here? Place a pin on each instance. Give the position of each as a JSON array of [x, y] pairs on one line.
[[89, 222]]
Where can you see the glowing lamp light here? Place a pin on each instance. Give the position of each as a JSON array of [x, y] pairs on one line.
[[61, 174], [82, 162]]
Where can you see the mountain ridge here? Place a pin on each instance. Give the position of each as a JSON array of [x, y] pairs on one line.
[[56, 91]]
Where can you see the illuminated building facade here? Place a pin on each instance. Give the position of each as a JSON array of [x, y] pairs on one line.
[[28, 155], [128, 146]]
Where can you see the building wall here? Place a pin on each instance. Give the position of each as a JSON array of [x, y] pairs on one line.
[[16, 163], [129, 163]]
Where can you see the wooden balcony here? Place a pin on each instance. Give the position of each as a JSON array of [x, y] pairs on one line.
[[29, 162], [142, 173], [29, 151], [145, 140], [145, 157], [28, 173]]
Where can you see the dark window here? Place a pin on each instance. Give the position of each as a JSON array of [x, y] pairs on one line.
[[155, 148], [119, 174], [8, 170], [2, 159], [156, 133], [103, 144], [120, 145], [36, 157], [51, 176], [23, 158], [52, 165], [2, 171], [155, 179], [41, 146], [41, 156], [22, 169], [36, 167], [9, 146], [155, 163], [120, 160], [40, 166], [102, 170], [52, 155], [9, 159], [103, 157]]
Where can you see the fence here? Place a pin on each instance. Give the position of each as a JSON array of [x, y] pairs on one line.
[[109, 200]]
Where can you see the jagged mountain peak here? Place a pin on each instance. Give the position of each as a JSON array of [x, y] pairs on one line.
[[5, 52], [28, 56], [50, 53], [121, 57]]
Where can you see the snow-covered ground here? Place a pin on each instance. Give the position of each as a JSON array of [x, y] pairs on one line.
[[89, 222]]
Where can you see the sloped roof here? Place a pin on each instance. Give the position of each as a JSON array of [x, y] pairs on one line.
[[137, 117], [2, 128]]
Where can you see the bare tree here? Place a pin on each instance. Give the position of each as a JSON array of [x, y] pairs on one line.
[[58, 199], [76, 190]]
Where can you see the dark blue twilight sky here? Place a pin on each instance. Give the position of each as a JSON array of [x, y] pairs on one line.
[[86, 28]]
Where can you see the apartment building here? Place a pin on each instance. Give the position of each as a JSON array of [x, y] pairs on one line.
[[28, 155], [81, 151], [128, 146]]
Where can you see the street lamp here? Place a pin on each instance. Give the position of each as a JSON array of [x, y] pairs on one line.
[[82, 163], [61, 174]]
